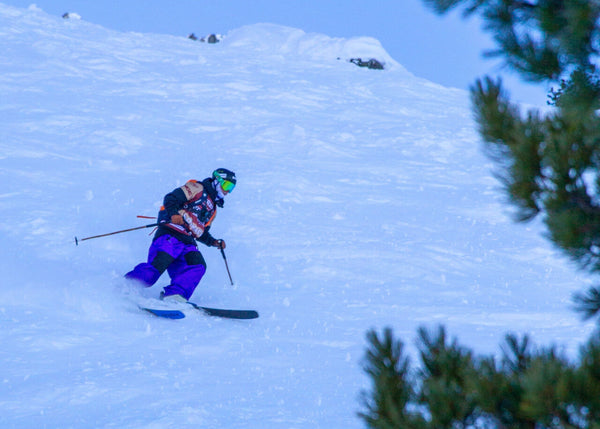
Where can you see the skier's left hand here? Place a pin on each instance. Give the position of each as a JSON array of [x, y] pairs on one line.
[[220, 244]]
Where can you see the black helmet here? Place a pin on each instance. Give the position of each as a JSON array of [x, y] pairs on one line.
[[226, 178]]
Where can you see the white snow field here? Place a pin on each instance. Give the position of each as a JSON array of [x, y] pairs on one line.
[[363, 201]]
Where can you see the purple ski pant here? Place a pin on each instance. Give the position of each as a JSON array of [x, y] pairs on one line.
[[183, 262]]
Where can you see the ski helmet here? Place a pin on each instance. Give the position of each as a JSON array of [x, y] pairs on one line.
[[225, 178]]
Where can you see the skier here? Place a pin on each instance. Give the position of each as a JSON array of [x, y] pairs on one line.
[[185, 217]]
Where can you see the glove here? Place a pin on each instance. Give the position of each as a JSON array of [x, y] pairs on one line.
[[193, 225], [177, 220], [220, 244]]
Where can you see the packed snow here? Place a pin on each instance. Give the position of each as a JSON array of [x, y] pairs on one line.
[[363, 201]]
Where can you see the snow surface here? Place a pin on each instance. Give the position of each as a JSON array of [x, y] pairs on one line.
[[363, 201]]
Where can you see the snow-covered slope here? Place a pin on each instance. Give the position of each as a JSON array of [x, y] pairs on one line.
[[362, 201]]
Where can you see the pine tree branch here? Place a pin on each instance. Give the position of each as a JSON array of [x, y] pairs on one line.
[[588, 304]]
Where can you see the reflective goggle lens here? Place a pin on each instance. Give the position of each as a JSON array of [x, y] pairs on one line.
[[226, 185]]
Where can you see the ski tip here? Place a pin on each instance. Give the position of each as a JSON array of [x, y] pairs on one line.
[[166, 314], [252, 314]]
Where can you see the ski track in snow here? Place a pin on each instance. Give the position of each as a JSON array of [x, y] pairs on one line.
[[363, 201]]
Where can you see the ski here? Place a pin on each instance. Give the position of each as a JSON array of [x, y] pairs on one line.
[[226, 313], [215, 312]]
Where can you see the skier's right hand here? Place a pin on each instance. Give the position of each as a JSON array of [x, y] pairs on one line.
[[177, 219], [219, 243]]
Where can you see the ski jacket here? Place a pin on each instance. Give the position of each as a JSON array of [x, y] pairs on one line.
[[197, 202]]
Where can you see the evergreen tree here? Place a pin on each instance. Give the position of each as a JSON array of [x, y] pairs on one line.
[[525, 389], [498, 387], [544, 386], [447, 367], [387, 405], [584, 385], [549, 164]]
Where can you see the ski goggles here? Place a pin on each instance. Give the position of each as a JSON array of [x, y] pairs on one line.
[[226, 185]]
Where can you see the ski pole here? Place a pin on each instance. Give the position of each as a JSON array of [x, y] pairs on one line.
[[226, 265], [113, 233]]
